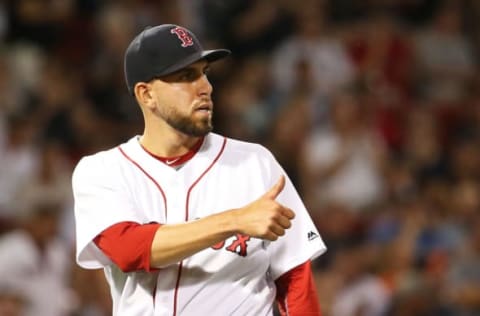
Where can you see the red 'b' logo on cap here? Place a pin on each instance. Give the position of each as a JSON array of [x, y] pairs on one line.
[[182, 35]]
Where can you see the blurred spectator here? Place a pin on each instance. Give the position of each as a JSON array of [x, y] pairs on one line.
[[399, 180], [467, 124], [287, 135], [18, 161], [464, 275], [40, 22], [311, 44], [8, 93], [51, 181], [344, 161], [445, 61], [34, 261], [362, 293], [383, 56], [459, 217], [465, 159], [105, 83], [50, 101], [382, 52], [245, 106], [248, 27], [92, 293], [423, 147]]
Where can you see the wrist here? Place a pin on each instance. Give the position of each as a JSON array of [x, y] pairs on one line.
[[231, 221]]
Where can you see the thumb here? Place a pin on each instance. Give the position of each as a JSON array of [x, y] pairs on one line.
[[276, 189]]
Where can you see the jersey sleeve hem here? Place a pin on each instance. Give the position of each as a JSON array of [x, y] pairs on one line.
[[295, 261], [89, 256]]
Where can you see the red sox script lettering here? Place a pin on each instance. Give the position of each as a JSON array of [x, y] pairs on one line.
[[238, 246], [182, 35]]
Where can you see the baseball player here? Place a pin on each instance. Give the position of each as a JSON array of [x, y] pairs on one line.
[[185, 221]]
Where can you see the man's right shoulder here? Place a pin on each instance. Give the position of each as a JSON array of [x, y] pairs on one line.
[[98, 163], [106, 154]]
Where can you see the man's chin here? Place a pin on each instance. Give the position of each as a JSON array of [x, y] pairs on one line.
[[197, 131]]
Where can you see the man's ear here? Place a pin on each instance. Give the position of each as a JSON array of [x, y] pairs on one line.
[[143, 94]]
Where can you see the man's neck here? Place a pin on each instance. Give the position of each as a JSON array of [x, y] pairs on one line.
[[169, 144], [177, 161]]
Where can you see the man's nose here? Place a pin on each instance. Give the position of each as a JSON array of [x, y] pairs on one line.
[[205, 87]]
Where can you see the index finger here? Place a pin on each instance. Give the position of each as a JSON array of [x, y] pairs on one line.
[[288, 213]]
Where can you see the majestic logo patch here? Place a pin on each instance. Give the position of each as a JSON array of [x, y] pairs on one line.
[[238, 246], [312, 235], [183, 36]]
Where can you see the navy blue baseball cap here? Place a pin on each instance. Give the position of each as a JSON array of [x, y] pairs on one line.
[[161, 50]]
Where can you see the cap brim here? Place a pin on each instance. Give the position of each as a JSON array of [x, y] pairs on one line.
[[208, 55], [215, 54]]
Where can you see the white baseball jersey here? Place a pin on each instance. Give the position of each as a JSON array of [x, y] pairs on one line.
[[235, 277]]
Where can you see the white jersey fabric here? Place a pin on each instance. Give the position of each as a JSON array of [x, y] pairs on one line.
[[235, 278]]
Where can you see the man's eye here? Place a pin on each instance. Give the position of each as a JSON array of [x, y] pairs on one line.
[[189, 76], [185, 75]]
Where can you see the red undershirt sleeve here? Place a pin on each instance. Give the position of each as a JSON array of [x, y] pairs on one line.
[[296, 292], [128, 245]]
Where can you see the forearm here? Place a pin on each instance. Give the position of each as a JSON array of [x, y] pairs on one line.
[[263, 218], [134, 246], [175, 242]]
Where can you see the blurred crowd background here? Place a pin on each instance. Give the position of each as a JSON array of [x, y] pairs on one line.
[[372, 107]]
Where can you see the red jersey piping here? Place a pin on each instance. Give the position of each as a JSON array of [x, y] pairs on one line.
[[161, 192], [148, 176], [175, 295]]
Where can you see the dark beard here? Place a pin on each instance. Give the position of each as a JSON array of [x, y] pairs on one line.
[[189, 127]]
